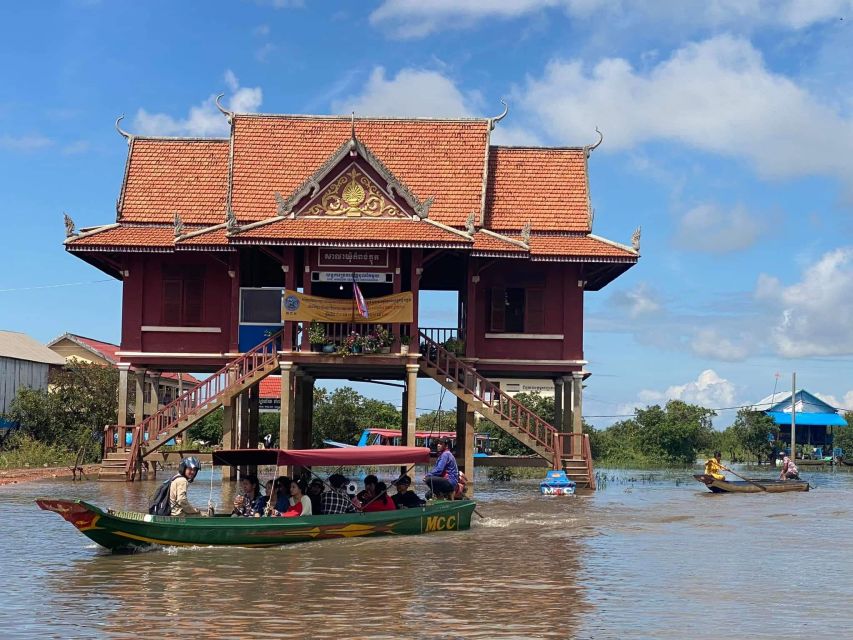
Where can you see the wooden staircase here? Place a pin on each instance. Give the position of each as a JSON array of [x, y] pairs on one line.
[[124, 463], [568, 451]]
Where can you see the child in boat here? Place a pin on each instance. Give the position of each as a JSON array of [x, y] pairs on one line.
[[714, 468], [300, 504], [405, 498], [263, 501], [381, 501], [369, 492]]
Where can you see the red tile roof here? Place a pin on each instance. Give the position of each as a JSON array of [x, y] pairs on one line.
[[578, 247], [270, 387], [380, 231], [127, 235], [441, 158], [547, 187], [165, 177], [108, 351], [487, 243]]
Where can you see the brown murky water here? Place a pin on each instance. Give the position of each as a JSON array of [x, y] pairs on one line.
[[661, 559]]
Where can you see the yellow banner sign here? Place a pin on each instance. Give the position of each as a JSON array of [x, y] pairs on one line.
[[301, 307]]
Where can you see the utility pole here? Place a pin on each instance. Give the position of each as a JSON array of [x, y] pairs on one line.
[[794, 416]]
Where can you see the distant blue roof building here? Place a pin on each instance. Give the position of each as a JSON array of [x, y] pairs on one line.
[[815, 418]]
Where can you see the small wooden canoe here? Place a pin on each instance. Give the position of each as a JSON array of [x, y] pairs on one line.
[[741, 486], [128, 531]]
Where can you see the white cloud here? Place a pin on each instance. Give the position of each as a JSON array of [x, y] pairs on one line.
[[710, 228], [812, 317], [716, 96], [203, 119], [412, 92], [708, 390], [636, 302], [34, 142], [710, 343], [416, 19]]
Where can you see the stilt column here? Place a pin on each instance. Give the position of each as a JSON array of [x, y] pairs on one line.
[[577, 402], [558, 404], [254, 422], [287, 416], [466, 423], [229, 430], [411, 405], [123, 369], [139, 404]]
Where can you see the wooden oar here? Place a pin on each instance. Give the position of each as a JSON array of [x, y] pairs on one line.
[[763, 488]]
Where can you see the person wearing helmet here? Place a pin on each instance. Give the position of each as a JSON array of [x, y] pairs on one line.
[[187, 471]]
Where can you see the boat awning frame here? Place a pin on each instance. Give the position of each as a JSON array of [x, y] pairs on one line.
[[331, 457], [808, 419]]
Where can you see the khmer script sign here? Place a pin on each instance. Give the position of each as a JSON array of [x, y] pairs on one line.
[[337, 257]]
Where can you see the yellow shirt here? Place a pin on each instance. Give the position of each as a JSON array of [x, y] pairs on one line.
[[714, 468]]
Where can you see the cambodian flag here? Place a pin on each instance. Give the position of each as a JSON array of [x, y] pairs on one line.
[[360, 302]]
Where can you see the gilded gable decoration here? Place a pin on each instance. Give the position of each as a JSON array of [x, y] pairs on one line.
[[354, 195]]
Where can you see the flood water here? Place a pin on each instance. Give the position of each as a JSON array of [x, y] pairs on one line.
[[637, 559]]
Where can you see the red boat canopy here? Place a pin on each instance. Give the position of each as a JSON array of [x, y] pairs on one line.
[[333, 457], [395, 433]]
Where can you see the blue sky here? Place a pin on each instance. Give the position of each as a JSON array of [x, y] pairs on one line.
[[727, 132]]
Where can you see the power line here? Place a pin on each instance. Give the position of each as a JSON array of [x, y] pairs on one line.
[[56, 286]]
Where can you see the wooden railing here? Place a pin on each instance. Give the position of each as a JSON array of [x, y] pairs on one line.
[[574, 445], [440, 335], [131, 466], [110, 435], [487, 392], [207, 390]]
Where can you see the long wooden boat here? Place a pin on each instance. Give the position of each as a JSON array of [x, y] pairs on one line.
[[845, 461], [128, 530], [741, 486]]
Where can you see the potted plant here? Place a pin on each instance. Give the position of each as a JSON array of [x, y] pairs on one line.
[[329, 346], [317, 335], [351, 344], [370, 343], [404, 345], [385, 339]]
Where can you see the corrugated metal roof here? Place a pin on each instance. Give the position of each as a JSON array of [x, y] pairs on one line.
[[817, 419], [22, 347]]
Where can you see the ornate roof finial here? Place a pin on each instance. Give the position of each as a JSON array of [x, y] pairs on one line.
[[179, 225], [525, 232], [124, 134], [69, 226], [422, 209], [353, 143], [469, 223], [635, 240], [591, 217], [231, 224], [591, 147], [228, 114], [496, 119]]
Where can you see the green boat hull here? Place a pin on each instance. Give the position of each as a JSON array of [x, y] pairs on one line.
[[129, 531]]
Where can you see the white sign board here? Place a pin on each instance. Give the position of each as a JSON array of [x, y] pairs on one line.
[[349, 276]]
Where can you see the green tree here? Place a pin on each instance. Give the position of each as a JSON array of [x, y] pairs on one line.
[[344, 413], [843, 436], [750, 432], [81, 401], [209, 429]]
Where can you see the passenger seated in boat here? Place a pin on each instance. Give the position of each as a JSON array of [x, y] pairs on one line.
[[405, 498], [714, 468], [444, 476], [300, 504], [336, 500], [263, 501], [381, 501], [789, 470], [180, 504], [315, 491], [281, 493], [369, 492], [248, 502]]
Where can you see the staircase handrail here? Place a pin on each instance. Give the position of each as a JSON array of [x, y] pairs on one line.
[[489, 393], [587, 455], [208, 390], [133, 456]]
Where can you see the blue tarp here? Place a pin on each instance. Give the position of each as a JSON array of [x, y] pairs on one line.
[[809, 419]]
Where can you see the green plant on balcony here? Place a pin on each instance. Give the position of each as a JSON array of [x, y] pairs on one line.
[[455, 346], [351, 344], [317, 333], [384, 336], [370, 343]]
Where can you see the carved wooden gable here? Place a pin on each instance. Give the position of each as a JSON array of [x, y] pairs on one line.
[[352, 193]]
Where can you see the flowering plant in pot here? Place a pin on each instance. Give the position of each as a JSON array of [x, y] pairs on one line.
[[404, 344], [385, 339], [370, 343], [316, 335], [350, 344]]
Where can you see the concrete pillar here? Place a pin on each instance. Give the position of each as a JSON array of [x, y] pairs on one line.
[[577, 402], [286, 419], [139, 404], [558, 404], [180, 385], [567, 413], [298, 434], [306, 426], [410, 425], [465, 427], [123, 368], [154, 402], [254, 421], [229, 435]]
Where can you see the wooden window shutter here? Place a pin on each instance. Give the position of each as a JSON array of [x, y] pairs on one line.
[[172, 300], [193, 302], [534, 311], [498, 313]]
